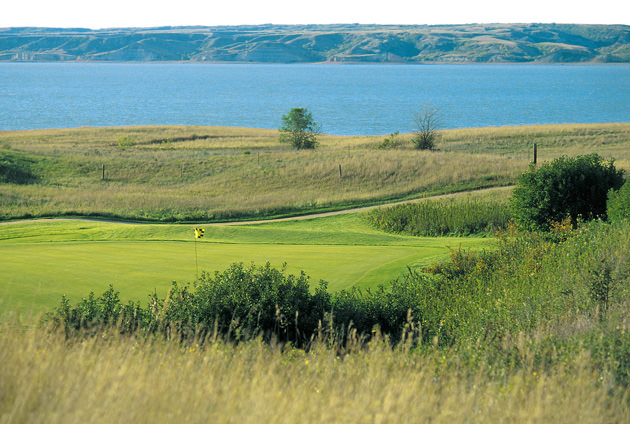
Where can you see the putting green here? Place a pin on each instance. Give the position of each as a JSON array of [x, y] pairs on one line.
[[43, 260]]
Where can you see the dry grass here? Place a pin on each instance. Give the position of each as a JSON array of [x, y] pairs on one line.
[[112, 379], [178, 173]]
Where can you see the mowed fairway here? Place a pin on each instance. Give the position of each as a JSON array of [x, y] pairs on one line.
[[41, 261]]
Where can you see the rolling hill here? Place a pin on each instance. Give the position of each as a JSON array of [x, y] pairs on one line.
[[343, 43]]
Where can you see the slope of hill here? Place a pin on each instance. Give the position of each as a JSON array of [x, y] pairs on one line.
[[492, 43]]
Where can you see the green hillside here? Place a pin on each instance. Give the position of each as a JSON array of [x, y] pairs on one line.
[[493, 43]]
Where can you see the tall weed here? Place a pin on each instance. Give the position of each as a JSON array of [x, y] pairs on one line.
[[442, 217]]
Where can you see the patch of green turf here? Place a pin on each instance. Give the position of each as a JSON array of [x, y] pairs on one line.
[[43, 260]]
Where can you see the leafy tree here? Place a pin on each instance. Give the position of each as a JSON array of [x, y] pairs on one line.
[[618, 206], [299, 129], [565, 188], [427, 123]]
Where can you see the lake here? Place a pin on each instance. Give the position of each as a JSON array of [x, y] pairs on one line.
[[345, 99]]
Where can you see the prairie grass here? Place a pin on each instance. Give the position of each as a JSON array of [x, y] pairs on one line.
[[211, 173], [111, 378], [441, 217]]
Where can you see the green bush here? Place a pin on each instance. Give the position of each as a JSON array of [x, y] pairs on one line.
[[93, 313], [244, 301], [390, 142], [442, 217], [565, 188], [618, 205], [239, 303]]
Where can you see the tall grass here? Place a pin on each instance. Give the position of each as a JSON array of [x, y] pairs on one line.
[[442, 217], [204, 173], [112, 378]]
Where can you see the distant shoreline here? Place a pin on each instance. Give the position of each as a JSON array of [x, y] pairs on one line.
[[189, 62], [335, 43]]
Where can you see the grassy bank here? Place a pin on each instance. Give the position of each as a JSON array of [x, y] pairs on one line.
[[208, 173]]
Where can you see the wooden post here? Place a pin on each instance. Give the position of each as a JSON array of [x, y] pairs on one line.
[[535, 153], [340, 176], [103, 175]]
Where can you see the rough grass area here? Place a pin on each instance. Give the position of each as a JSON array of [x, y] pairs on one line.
[[45, 378], [209, 173], [460, 217]]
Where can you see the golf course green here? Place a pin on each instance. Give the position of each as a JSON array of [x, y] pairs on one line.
[[43, 260]]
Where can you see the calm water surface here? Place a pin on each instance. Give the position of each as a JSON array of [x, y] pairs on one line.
[[345, 99]]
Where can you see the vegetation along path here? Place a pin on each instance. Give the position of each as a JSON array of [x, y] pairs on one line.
[[489, 190]]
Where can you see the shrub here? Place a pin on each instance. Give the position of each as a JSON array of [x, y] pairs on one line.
[[239, 303], [618, 205], [244, 301], [390, 142], [567, 187], [427, 123], [423, 141], [95, 313]]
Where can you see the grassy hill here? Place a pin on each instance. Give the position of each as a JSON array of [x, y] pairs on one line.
[[181, 174], [503, 43]]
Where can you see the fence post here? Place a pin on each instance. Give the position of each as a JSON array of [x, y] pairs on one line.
[[340, 176], [103, 173], [535, 153]]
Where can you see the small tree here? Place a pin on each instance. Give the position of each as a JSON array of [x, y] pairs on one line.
[[565, 188], [299, 129], [427, 124]]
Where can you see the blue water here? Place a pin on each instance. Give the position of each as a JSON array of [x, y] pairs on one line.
[[345, 99]]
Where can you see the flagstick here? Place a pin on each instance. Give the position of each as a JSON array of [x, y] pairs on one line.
[[196, 261]]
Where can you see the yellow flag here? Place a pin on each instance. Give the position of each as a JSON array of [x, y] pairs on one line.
[[199, 232]]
